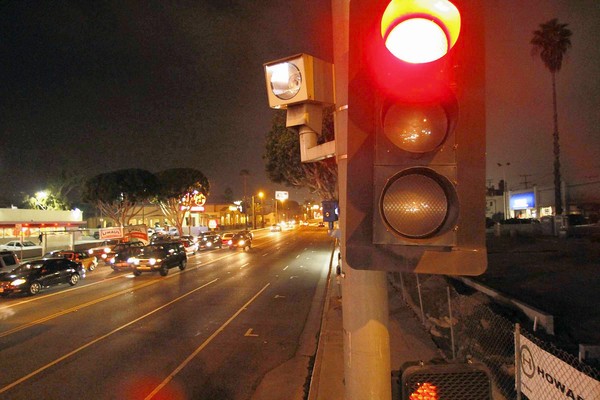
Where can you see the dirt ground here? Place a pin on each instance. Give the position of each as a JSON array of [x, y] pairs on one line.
[[560, 276]]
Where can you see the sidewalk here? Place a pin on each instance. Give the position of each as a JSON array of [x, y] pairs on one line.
[[408, 342]]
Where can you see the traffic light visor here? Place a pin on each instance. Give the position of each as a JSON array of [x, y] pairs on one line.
[[420, 31]]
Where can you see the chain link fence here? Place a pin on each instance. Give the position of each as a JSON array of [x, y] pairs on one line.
[[468, 325]]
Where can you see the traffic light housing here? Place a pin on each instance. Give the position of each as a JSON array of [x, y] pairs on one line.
[[464, 381], [415, 194]]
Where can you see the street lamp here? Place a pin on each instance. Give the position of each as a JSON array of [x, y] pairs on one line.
[[262, 214], [40, 198]]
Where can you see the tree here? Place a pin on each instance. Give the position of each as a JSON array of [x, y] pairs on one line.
[[61, 192], [551, 43], [283, 164], [228, 195], [120, 194], [180, 189]]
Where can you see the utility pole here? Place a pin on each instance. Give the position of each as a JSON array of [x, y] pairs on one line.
[[525, 182]]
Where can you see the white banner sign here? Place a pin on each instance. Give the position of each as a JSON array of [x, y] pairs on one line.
[[544, 376], [111, 233], [281, 195], [132, 231]]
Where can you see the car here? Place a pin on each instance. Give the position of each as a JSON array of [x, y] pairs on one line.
[[86, 260], [162, 238], [173, 231], [8, 261], [33, 276], [209, 240], [101, 252], [120, 253], [190, 246], [17, 245], [189, 237], [321, 225], [159, 257], [248, 233], [122, 247], [226, 237], [275, 228], [240, 241]]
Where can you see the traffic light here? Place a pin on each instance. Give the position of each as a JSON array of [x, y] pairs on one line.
[[330, 210], [415, 194], [446, 381]]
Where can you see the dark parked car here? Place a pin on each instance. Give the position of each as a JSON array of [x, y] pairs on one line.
[[8, 261], [31, 277], [159, 257], [121, 253], [208, 241], [240, 241]]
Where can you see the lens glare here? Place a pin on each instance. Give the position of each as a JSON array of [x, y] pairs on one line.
[[286, 80]]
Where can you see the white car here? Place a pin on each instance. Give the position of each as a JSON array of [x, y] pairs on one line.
[[16, 245]]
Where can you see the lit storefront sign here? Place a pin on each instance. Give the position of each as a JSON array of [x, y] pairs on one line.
[[522, 201]]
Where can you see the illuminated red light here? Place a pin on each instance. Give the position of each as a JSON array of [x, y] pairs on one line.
[[420, 31], [417, 41]]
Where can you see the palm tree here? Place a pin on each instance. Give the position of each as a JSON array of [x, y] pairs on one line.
[[245, 174], [551, 43]]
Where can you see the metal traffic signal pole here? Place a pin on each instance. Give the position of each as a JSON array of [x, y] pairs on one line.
[[365, 303]]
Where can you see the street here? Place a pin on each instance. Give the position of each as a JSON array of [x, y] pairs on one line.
[[211, 331]]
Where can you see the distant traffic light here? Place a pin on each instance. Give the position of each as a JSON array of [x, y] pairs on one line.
[[446, 382], [416, 137], [330, 210]]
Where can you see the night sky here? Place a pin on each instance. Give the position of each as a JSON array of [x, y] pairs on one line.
[[95, 86]]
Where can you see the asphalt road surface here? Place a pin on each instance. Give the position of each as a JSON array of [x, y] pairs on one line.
[[211, 331]]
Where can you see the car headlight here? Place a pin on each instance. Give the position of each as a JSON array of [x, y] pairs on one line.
[[107, 249], [152, 261], [18, 282], [242, 242], [112, 260], [133, 260], [90, 251], [230, 242], [208, 244]]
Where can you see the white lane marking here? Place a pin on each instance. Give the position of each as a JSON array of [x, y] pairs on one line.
[[278, 296], [298, 256], [286, 267], [249, 333], [293, 277], [265, 254], [98, 339], [245, 265], [203, 345]]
